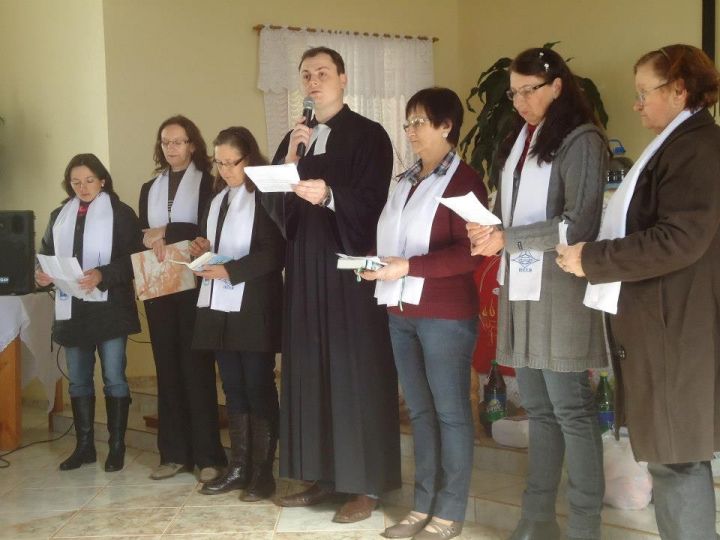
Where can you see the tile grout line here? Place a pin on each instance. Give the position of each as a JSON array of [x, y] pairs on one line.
[[277, 522]]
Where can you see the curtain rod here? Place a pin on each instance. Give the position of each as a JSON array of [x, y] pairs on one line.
[[259, 27]]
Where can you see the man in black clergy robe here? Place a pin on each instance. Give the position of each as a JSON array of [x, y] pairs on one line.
[[339, 408]]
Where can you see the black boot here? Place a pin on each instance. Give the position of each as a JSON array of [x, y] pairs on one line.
[[536, 530], [83, 409], [236, 475], [263, 433], [117, 418]]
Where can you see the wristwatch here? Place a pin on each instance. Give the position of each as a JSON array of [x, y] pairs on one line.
[[328, 197]]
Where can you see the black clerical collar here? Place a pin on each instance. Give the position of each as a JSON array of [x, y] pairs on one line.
[[337, 117]]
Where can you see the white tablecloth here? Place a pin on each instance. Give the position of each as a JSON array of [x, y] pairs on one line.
[[31, 317]]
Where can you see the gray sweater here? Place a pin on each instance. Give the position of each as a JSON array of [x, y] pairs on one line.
[[558, 332]]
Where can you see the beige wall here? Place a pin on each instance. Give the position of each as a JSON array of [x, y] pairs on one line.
[[52, 96], [205, 66], [604, 37]]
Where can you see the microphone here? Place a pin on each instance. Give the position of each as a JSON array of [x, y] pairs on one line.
[[308, 105]]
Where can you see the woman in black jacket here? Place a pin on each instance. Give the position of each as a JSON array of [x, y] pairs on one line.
[[93, 226], [239, 314], [170, 207]]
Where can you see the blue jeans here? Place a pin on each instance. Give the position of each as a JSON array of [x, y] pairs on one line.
[[81, 365], [433, 358], [563, 424]]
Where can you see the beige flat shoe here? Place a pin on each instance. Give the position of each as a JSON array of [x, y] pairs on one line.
[[208, 474], [166, 470]]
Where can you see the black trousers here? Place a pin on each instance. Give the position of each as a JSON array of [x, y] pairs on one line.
[[248, 380], [188, 430]]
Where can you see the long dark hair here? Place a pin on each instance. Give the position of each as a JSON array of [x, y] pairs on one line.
[[199, 156], [92, 162], [568, 111], [242, 140]]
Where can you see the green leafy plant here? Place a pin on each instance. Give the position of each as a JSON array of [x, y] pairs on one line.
[[497, 114]]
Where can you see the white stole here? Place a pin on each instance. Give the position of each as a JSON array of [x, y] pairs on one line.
[[403, 230], [319, 137], [97, 242], [235, 243], [185, 202], [525, 273], [604, 296]]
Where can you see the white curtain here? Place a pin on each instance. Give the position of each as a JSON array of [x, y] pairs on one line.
[[383, 73]]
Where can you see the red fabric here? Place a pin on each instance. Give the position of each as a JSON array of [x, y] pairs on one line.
[[449, 291], [485, 278], [83, 208], [521, 161]]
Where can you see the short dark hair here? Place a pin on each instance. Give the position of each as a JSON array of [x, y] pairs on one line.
[[92, 162], [568, 111], [689, 64], [332, 53], [199, 157], [244, 142], [440, 105]]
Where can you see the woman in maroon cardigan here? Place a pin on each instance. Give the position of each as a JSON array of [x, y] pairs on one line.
[[428, 287]]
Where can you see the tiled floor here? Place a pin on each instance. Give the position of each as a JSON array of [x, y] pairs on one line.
[[38, 501]]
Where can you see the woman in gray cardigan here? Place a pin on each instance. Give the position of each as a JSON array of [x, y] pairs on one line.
[[551, 179]]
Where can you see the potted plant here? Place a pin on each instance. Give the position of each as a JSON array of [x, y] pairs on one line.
[[496, 116]]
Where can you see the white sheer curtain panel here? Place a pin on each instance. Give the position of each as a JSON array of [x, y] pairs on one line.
[[383, 73]]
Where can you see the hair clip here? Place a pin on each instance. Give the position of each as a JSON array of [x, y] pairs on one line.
[[540, 54], [547, 67]]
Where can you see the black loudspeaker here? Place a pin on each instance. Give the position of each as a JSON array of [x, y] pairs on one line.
[[17, 252]]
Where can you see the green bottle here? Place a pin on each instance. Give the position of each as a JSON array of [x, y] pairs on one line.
[[495, 398], [605, 403]]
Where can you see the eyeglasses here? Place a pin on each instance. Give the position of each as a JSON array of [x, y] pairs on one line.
[[415, 122], [524, 92], [229, 164], [641, 96], [76, 182], [174, 143]]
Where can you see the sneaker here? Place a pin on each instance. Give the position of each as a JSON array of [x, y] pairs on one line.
[[166, 470]]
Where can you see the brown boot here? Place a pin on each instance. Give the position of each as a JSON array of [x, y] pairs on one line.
[[236, 475], [263, 433]]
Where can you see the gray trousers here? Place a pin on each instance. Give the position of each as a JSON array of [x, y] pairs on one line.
[[563, 425], [684, 499]]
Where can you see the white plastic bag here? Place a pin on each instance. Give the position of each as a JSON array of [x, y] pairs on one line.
[[628, 484], [511, 431]]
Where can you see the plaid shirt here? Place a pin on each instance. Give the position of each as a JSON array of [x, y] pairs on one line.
[[413, 173]]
